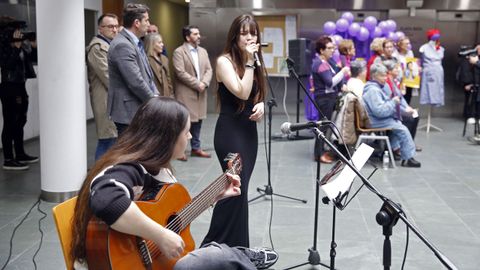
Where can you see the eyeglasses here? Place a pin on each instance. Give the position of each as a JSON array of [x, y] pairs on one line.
[[111, 26]]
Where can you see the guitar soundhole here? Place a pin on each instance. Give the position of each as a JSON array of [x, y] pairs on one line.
[[174, 224]]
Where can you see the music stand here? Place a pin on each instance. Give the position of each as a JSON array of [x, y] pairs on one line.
[[333, 171]]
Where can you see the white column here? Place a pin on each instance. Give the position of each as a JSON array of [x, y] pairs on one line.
[[61, 83]]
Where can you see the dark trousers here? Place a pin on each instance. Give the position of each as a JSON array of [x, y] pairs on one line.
[[471, 108], [408, 94], [411, 123], [14, 107], [195, 128], [327, 105]]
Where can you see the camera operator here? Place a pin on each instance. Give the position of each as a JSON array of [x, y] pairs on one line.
[[16, 56], [469, 77]]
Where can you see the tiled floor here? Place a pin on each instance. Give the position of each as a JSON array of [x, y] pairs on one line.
[[441, 198]]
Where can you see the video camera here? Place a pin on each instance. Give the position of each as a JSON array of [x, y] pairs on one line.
[[467, 51], [8, 25]]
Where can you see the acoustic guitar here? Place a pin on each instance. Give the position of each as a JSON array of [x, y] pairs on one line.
[[172, 208]]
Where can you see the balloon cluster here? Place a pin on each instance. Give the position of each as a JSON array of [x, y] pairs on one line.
[[361, 33], [345, 27]]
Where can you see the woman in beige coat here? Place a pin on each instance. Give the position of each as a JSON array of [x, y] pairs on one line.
[[159, 64]]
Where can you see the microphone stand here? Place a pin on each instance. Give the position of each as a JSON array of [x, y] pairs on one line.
[[389, 213], [268, 190], [314, 256]]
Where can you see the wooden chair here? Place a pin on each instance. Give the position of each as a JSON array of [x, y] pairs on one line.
[[374, 134], [63, 214]]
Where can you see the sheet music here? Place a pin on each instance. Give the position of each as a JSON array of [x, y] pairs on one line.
[[342, 183]]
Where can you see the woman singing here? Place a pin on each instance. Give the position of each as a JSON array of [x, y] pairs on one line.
[[241, 91]]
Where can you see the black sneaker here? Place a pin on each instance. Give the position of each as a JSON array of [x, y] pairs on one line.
[[262, 258], [13, 165], [27, 159]]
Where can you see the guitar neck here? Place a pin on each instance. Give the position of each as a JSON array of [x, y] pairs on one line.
[[199, 203]]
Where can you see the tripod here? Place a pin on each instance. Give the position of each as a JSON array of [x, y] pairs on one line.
[[473, 109], [268, 190]]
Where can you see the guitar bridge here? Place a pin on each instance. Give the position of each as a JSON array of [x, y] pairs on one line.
[[144, 253]]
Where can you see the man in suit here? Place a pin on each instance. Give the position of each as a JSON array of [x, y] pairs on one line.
[[193, 74], [130, 76], [97, 65]]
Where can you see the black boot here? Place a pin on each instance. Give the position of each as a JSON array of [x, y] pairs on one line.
[[411, 163]]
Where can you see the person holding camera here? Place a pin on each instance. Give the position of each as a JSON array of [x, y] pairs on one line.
[[468, 77], [16, 57]]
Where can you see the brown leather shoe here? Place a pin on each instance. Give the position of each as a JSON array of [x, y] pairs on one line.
[[200, 153], [325, 158], [184, 158]]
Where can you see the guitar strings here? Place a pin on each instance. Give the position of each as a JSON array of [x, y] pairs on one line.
[[176, 223], [198, 204], [201, 201], [194, 208]]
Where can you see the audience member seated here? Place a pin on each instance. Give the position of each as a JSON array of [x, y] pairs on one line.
[[409, 116], [356, 83], [384, 112]]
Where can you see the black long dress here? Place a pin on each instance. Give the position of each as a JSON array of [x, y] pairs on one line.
[[234, 133]]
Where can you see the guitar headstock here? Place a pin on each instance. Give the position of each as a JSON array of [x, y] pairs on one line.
[[234, 163]]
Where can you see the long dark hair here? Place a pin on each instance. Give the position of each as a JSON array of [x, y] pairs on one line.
[[149, 140], [237, 55]]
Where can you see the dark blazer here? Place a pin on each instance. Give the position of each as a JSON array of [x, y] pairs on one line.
[[129, 79]]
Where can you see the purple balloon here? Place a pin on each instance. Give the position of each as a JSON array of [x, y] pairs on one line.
[[384, 27], [353, 29], [336, 39], [348, 16], [342, 25], [399, 35], [329, 28], [370, 22], [377, 32], [392, 36], [363, 34], [392, 25]]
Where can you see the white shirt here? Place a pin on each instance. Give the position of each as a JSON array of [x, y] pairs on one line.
[[356, 86], [194, 53]]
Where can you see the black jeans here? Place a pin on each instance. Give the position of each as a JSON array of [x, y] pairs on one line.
[[14, 107]]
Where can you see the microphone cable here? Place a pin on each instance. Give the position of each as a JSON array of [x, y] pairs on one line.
[[267, 149], [37, 203]]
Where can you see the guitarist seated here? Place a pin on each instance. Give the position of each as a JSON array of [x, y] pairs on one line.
[[128, 172]]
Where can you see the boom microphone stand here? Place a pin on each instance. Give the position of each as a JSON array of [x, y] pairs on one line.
[[314, 256], [268, 190], [389, 213]]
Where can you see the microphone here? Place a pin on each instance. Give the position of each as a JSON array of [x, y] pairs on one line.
[[257, 60], [288, 127], [264, 44]]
